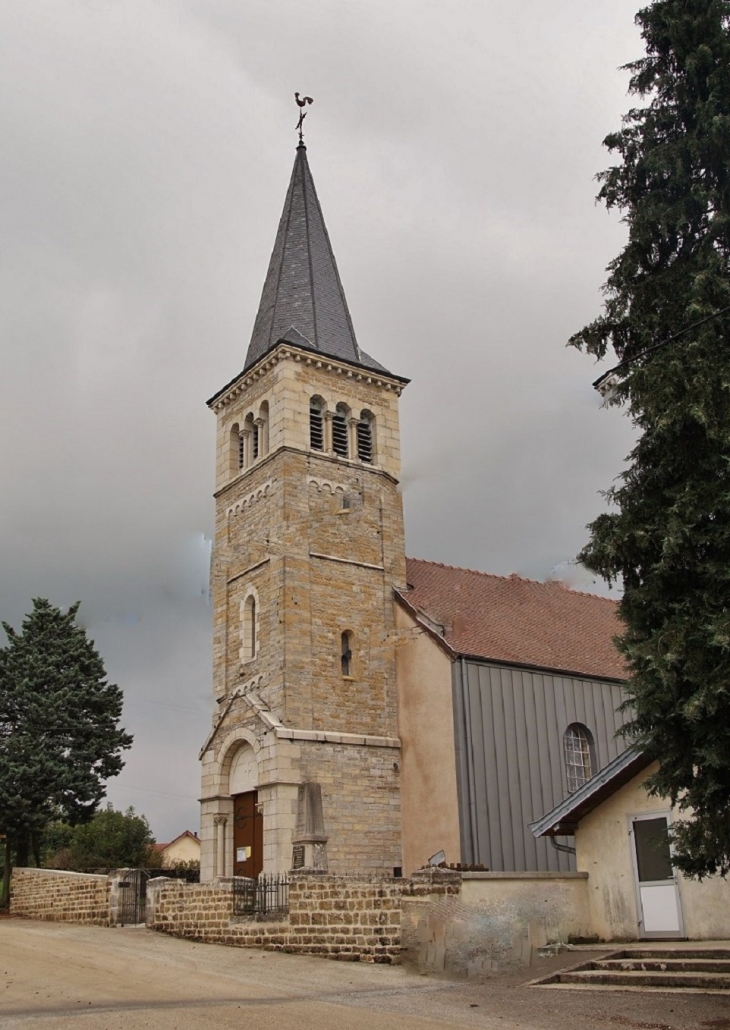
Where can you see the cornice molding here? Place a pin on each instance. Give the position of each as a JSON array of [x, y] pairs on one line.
[[286, 352]]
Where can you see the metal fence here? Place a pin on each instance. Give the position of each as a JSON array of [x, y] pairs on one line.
[[264, 896]]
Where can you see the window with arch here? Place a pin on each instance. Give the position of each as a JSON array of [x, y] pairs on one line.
[[366, 437], [578, 750], [249, 634], [316, 424], [236, 450], [339, 431], [346, 653]]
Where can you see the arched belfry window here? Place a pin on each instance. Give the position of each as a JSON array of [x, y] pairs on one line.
[[316, 424], [366, 438], [249, 627], [339, 431], [578, 749], [236, 450], [346, 653]]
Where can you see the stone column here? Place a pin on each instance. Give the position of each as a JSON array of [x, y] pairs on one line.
[[328, 416], [260, 424], [352, 437], [220, 844], [247, 448]]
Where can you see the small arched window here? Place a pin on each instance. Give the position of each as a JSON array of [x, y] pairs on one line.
[[346, 653], [578, 748], [316, 424], [249, 642], [339, 431], [235, 450], [365, 438]]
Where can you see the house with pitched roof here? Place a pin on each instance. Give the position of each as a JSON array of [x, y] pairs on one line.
[[371, 711], [620, 833], [183, 850]]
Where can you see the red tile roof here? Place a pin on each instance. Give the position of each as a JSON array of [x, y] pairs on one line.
[[515, 620]]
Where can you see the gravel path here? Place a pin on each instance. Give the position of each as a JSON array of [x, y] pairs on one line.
[[56, 976]]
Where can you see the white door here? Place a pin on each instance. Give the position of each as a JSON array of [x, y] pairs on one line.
[[657, 892]]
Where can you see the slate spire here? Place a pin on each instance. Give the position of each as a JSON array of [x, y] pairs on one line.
[[303, 301]]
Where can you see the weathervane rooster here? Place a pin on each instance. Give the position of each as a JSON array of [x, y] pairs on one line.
[[302, 103]]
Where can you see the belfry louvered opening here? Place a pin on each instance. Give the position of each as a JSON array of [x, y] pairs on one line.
[[316, 424], [365, 438], [241, 450], [339, 434]]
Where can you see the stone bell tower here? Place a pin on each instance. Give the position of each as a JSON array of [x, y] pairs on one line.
[[302, 763]]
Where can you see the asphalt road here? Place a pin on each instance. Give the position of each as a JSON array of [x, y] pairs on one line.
[[58, 976]]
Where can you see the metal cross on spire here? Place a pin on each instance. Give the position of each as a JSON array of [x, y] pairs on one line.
[[302, 103]]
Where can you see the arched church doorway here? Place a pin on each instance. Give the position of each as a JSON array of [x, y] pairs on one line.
[[248, 822]]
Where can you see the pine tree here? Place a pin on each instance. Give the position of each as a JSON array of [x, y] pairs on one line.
[[59, 733], [667, 537]]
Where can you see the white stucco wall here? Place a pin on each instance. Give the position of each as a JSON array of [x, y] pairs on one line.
[[603, 850]]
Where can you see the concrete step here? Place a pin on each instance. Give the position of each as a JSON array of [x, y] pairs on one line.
[[641, 978], [671, 952], [666, 964]]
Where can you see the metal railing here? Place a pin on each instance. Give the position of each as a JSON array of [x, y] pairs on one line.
[[264, 896]]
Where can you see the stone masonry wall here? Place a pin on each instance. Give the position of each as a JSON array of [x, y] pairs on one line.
[[60, 896], [438, 920], [343, 918], [361, 801], [317, 567]]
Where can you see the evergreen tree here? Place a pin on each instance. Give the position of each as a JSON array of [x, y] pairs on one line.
[[59, 734], [668, 536]]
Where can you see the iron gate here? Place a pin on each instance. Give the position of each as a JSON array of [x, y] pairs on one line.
[[133, 897], [260, 897]]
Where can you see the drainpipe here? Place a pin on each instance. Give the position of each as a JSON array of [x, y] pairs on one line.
[[565, 848]]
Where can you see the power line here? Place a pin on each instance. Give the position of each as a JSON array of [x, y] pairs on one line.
[[604, 387]]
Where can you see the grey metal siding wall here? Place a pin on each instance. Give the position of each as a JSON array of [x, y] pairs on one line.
[[509, 725]]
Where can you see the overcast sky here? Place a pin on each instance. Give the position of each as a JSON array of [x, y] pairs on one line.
[[146, 147]]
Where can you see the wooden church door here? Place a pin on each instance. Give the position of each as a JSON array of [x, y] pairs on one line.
[[248, 836]]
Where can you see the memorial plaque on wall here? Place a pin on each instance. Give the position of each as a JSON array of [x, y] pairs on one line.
[[297, 856]]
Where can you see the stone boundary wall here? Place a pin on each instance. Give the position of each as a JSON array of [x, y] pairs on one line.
[[347, 918], [464, 924], [60, 896]]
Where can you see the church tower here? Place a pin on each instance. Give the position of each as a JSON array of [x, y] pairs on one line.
[[302, 763]]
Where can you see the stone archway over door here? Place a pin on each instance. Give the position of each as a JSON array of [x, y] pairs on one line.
[[248, 835], [248, 824]]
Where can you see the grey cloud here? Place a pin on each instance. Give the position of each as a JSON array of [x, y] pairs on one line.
[[145, 151]]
